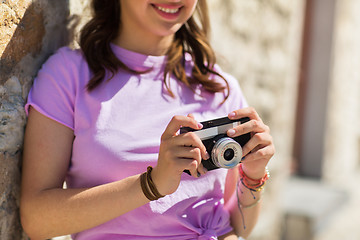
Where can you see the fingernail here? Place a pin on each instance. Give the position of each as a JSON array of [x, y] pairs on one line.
[[200, 125], [231, 115], [231, 132]]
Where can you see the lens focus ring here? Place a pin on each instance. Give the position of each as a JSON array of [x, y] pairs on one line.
[[226, 153]]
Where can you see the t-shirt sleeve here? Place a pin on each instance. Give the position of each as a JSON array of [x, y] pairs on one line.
[[53, 91]]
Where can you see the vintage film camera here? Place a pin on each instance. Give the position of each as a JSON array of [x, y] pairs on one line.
[[225, 152]]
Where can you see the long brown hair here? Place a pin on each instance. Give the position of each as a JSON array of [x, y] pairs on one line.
[[192, 37]]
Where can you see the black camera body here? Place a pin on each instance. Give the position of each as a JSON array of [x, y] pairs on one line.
[[225, 152]]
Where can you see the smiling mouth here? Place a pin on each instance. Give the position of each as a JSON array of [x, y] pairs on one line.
[[167, 10]]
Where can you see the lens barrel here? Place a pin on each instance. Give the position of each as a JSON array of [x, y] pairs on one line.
[[226, 153]]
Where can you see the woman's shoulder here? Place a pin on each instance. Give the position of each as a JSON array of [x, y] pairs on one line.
[[67, 55], [236, 98], [235, 93], [65, 70], [189, 63], [229, 77], [230, 80], [65, 64]]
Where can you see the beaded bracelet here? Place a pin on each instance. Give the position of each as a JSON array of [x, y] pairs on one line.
[[146, 182], [259, 183], [252, 187]]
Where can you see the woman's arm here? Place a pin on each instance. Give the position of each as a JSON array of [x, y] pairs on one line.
[[245, 220], [47, 210], [258, 151]]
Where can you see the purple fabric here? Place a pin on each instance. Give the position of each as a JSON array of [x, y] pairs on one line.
[[117, 131]]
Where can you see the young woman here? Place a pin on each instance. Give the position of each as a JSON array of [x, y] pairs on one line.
[[100, 115]]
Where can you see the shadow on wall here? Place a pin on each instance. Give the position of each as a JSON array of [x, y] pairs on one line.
[[30, 31], [44, 27], [27, 39]]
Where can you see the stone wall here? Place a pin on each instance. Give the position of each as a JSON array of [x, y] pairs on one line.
[[30, 30]]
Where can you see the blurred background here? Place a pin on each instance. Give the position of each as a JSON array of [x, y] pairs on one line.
[[298, 63]]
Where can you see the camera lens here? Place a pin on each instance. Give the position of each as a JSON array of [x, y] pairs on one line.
[[226, 153], [229, 154]]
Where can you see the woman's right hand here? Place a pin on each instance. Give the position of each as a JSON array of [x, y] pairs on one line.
[[178, 152]]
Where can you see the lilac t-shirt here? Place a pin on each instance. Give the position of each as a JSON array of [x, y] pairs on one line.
[[117, 130]]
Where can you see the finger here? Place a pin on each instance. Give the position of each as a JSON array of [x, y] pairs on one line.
[[202, 170], [264, 153], [189, 153], [191, 139], [194, 154], [190, 115], [247, 127], [258, 139], [244, 112], [191, 165], [184, 158], [176, 123]]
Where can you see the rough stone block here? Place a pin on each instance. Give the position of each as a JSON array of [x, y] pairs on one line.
[[30, 30]]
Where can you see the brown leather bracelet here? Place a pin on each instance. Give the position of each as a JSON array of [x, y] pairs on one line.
[[146, 182], [144, 187], [152, 185]]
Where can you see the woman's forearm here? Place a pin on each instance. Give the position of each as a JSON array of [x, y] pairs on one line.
[[56, 212], [244, 207]]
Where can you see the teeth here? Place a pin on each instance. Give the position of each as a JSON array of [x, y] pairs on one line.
[[168, 10]]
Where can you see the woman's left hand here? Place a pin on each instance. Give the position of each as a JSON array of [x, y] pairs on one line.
[[260, 148]]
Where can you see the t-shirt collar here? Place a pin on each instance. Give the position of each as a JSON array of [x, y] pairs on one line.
[[138, 61]]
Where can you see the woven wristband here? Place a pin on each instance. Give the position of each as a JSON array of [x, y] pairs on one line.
[[260, 183]]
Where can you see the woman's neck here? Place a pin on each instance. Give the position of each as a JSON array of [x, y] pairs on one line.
[[155, 45]]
